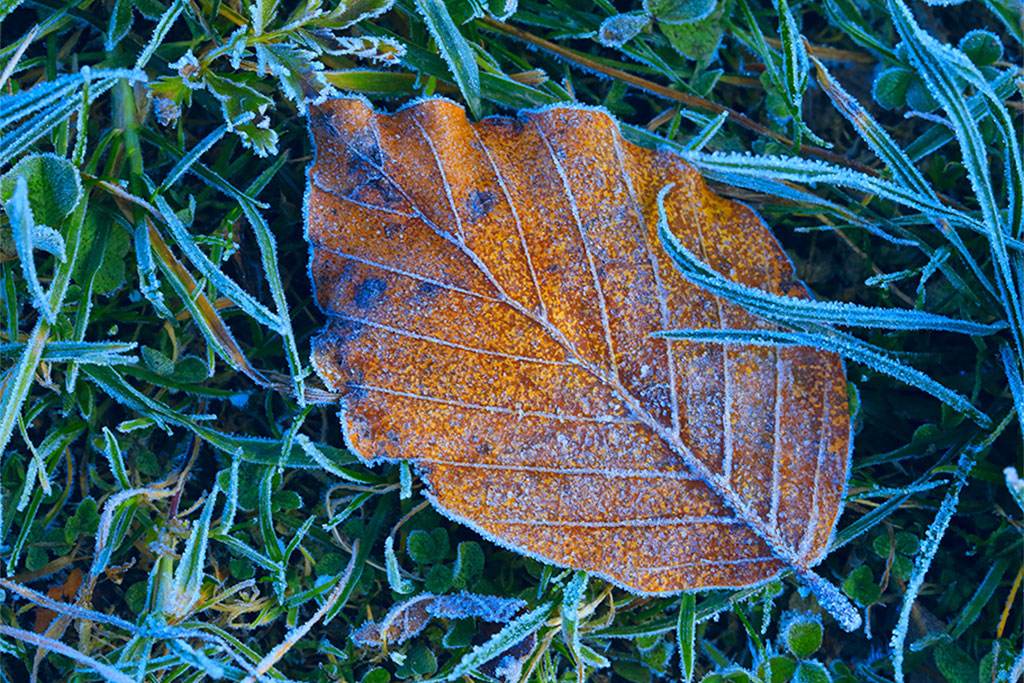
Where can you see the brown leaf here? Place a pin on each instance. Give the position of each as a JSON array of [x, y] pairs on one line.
[[62, 592], [492, 289]]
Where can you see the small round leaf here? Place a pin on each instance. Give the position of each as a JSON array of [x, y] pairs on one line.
[[812, 672], [982, 47], [618, 30], [802, 634], [890, 89], [679, 11]]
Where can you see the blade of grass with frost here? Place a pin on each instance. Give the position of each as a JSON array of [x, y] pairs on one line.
[[204, 172], [706, 133], [817, 204], [334, 601], [112, 450], [223, 283], [121, 17], [51, 107], [271, 543], [214, 331], [455, 49], [895, 159], [356, 503], [929, 547], [572, 595], [794, 70], [23, 229], [148, 283], [91, 353], [183, 592], [192, 156], [82, 128], [937, 137], [197, 659], [14, 390], [163, 26], [255, 450], [268, 255], [813, 171], [935, 63], [248, 553], [396, 581], [83, 312], [845, 15], [926, 52], [241, 653], [1012, 367], [108, 672], [790, 310], [876, 136], [318, 457], [1013, 158], [299, 534], [510, 635], [118, 511], [845, 345]]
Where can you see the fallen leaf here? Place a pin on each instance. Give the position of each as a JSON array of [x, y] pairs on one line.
[[492, 289], [62, 592]]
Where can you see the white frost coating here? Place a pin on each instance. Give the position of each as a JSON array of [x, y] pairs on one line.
[[1016, 486], [929, 546]]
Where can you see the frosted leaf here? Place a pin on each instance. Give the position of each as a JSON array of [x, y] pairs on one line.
[[493, 291]]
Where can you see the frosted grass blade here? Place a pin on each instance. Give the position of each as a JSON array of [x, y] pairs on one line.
[[686, 632], [707, 133], [185, 163], [503, 640], [23, 228], [55, 102], [92, 353], [223, 283], [148, 283], [811, 171], [163, 26], [936, 64], [789, 310], [268, 255], [929, 546], [108, 672], [455, 50], [112, 450], [14, 390]]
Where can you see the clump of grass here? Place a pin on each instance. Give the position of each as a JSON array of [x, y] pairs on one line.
[[176, 498]]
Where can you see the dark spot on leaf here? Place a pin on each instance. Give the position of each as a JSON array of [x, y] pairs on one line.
[[346, 330], [483, 449], [364, 145], [375, 190], [504, 124], [427, 288], [787, 286], [480, 204], [369, 293], [392, 228]]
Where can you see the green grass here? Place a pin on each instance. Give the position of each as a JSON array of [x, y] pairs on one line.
[[192, 517]]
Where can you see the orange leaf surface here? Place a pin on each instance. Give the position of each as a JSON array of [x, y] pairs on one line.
[[492, 289]]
